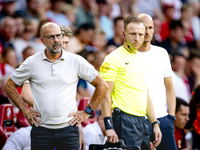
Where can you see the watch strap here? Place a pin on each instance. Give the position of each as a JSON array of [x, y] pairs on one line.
[[155, 122]]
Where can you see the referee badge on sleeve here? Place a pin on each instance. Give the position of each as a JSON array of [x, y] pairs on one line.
[[105, 67]]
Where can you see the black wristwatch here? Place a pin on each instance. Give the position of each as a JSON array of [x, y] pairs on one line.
[[156, 122], [88, 110], [174, 117]]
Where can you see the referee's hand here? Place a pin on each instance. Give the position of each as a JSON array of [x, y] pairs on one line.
[[79, 117], [112, 136]]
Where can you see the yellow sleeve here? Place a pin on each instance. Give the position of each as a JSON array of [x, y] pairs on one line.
[[108, 69]]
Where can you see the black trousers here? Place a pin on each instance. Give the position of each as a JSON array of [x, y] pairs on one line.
[[47, 139], [132, 129]]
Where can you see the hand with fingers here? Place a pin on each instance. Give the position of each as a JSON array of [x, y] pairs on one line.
[[158, 135], [82, 141], [79, 117], [31, 116], [112, 136]]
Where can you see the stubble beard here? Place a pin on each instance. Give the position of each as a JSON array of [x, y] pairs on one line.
[[53, 49]]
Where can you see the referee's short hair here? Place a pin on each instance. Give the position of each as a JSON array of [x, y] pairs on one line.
[[132, 19]]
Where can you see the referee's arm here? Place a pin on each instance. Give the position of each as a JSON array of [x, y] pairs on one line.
[[106, 113]]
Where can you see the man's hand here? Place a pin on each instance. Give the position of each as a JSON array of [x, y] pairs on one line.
[[112, 136], [158, 135], [31, 116], [81, 138], [82, 141], [79, 117]]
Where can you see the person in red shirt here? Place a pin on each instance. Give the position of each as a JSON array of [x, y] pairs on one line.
[[182, 117]]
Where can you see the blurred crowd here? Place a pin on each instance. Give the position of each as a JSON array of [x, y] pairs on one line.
[[97, 27]]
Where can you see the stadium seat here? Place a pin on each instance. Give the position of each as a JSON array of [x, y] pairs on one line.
[[21, 121], [82, 105], [7, 124]]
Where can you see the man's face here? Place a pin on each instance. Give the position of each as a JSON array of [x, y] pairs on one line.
[[182, 117], [34, 5], [20, 25], [179, 63], [88, 36], [65, 42], [195, 65], [9, 8], [9, 28], [149, 29], [119, 27], [177, 34], [134, 34], [52, 39]]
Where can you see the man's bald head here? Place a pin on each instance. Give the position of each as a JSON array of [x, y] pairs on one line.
[[149, 27], [47, 28], [144, 16]]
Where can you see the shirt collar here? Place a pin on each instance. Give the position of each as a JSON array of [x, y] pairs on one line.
[[44, 57]]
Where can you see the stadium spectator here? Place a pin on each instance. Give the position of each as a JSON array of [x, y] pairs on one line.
[[7, 32], [99, 40], [19, 140], [196, 7], [116, 12], [161, 90], [8, 9], [152, 8], [128, 87], [118, 38], [194, 122], [106, 23], [179, 78], [27, 52], [9, 57], [177, 6], [182, 117], [35, 10], [37, 38], [83, 37], [157, 28], [85, 13], [19, 24], [192, 69], [191, 25], [55, 14], [69, 11], [169, 11], [176, 36], [95, 133], [25, 40], [178, 64]]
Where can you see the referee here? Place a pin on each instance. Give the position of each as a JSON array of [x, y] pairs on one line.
[[128, 95]]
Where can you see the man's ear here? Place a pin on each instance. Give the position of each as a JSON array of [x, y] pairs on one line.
[[42, 41], [123, 33]]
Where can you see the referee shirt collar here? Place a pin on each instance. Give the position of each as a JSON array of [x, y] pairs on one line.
[[62, 57]]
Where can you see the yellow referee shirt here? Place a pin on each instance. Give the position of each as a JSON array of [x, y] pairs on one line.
[[129, 74]]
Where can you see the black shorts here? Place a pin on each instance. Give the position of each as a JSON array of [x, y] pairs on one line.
[[132, 129]]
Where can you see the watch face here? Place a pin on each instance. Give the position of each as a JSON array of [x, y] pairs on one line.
[[88, 110]]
